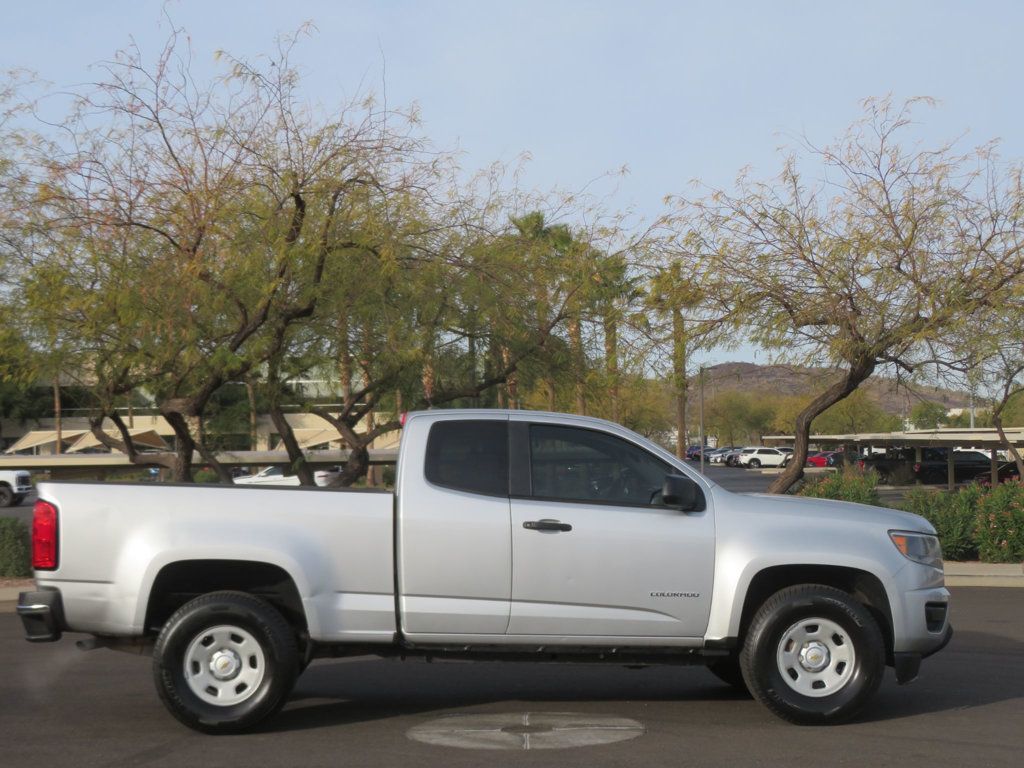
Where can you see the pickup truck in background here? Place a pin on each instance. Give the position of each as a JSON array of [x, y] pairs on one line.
[[901, 465], [510, 535], [14, 487]]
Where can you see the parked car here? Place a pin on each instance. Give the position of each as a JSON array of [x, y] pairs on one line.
[[280, 476], [732, 458], [719, 455], [966, 466], [14, 487], [1007, 473], [694, 451], [325, 477], [825, 459], [900, 465], [269, 476], [234, 589], [762, 457]]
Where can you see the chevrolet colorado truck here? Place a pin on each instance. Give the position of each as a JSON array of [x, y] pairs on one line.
[[510, 535]]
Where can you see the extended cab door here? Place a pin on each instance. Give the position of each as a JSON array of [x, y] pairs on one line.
[[594, 552], [454, 543]]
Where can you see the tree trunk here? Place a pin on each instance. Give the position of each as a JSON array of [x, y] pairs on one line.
[[185, 446], [344, 358], [679, 379], [57, 420], [611, 360], [295, 454], [859, 371], [578, 363], [513, 379], [997, 422], [250, 391]]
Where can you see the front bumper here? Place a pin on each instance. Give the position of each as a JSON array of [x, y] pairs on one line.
[[907, 665], [42, 615]]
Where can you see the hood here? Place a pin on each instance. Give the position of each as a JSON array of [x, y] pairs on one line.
[[803, 506]]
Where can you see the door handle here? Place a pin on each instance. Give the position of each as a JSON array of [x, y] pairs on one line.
[[546, 525]]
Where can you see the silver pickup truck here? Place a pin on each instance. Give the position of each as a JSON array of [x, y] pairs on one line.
[[511, 535]]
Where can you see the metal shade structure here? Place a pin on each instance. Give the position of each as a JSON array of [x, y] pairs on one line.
[[40, 437], [142, 437]]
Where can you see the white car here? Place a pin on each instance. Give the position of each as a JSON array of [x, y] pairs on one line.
[[276, 476], [762, 457]]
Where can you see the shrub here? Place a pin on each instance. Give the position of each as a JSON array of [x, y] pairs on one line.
[[953, 515], [1000, 524], [851, 484], [15, 560]]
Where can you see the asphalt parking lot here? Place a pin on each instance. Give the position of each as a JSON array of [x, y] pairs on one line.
[[63, 707]]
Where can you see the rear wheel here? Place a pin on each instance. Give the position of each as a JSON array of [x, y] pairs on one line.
[[813, 655], [224, 662], [754, 463]]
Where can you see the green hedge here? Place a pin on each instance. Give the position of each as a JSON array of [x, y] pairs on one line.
[[851, 484], [15, 560], [977, 521]]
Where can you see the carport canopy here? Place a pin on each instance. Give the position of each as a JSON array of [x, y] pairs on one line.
[[39, 437], [144, 437], [983, 440]]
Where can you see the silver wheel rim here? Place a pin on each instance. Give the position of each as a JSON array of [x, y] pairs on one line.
[[224, 665], [816, 657]]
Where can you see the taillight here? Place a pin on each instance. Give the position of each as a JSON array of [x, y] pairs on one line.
[[917, 467], [403, 417], [44, 536], [860, 464]]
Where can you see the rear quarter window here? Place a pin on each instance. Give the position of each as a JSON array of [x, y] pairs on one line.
[[469, 456]]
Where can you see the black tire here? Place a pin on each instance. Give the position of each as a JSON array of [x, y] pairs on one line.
[[277, 661], [6, 496], [728, 671], [754, 463], [858, 635], [18, 499]]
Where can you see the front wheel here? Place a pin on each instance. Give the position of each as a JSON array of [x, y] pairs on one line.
[[6, 496], [224, 662], [813, 655]]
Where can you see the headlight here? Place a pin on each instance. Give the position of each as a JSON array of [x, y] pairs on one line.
[[920, 547]]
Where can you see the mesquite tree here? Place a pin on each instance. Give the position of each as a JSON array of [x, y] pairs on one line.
[[861, 268]]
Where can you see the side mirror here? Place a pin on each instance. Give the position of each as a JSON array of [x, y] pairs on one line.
[[682, 492]]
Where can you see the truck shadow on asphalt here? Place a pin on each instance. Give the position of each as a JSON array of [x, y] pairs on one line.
[[975, 670]]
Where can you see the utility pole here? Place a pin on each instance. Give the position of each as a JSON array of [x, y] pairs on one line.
[[702, 419]]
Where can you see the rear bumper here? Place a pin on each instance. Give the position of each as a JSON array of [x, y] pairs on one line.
[[42, 615]]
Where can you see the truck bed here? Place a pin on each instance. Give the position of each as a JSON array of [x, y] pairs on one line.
[[338, 544]]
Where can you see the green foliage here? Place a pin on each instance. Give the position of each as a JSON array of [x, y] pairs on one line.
[[1000, 524], [15, 560], [849, 485], [954, 516], [976, 521], [928, 415], [738, 417], [982, 418], [855, 413]]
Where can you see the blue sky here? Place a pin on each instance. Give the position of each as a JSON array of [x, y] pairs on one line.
[[673, 90]]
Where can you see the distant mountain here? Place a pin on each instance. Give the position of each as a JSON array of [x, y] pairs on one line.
[[787, 380]]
